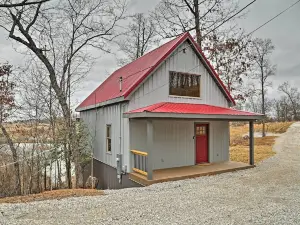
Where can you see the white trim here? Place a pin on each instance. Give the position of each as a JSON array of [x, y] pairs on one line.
[[108, 138], [186, 97], [203, 61], [191, 116], [185, 74], [108, 102]]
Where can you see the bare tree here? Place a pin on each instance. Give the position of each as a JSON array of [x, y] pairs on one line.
[[10, 4], [293, 95], [60, 36], [225, 46], [140, 37], [82, 156], [174, 17], [262, 50], [230, 54], [282, 108], [7, 105]]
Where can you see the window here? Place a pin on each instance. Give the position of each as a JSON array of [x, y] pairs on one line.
[[108, 138], [184, 84], [200, 130]]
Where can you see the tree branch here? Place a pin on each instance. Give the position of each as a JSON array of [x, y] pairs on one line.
[[23, 3], [34, 18], [189, 6]]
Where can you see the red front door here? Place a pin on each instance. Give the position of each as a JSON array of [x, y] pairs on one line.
[[201, 143]]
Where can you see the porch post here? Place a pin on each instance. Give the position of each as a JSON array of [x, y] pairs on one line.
[[251, 143], [149, 149]]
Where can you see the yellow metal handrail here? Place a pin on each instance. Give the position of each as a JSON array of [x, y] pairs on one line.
[[140, 171], [139, 163], [137, 152]]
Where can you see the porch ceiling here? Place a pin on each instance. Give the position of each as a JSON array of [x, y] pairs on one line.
[[191, 111]]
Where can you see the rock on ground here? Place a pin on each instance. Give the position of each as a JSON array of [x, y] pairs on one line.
[[267, 194]]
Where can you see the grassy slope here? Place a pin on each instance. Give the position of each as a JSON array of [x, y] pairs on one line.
[[239, 147]]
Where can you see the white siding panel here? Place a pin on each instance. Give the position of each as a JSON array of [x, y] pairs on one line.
[[157, 85], [173, 144], [138, 135], [219, 141], [108, 115]]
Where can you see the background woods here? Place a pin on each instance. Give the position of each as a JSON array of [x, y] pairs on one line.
[[43, 145]]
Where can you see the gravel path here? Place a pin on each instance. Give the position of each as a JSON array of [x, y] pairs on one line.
[[267, 194]]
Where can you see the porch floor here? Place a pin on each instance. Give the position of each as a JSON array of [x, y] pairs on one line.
[[187, 172]]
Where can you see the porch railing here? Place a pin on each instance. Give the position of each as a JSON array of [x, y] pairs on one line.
[[140, 162]]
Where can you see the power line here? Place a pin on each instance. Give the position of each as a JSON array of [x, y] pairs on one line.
[[273, 18], [242, 9], [247, 35], [130, 75]]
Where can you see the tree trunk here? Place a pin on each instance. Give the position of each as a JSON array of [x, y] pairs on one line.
[[79, 176], [15, 158], [59, 172], [45, 177], [263, 134], [197, 23], [38, 169], [50, 174], [68, 166]]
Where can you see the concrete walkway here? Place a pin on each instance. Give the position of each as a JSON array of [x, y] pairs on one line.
[[267, 194]]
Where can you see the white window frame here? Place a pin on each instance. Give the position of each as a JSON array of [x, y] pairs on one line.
[[184, 96]]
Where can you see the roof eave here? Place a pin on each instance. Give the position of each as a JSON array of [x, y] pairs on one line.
[[155, 67], [192, 116], [108, 102]]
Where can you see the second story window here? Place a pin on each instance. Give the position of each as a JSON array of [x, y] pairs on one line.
[[184, 84]]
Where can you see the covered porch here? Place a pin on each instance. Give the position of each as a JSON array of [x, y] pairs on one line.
[[187, 172], [174, 141]]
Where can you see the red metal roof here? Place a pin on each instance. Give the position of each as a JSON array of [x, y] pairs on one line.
[[135, 72], [187, 108]]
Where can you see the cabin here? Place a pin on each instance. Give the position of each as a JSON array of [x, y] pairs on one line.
[[162, 117]]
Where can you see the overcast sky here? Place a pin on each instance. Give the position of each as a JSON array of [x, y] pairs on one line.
[[284, 32]]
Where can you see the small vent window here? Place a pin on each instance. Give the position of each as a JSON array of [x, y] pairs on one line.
[[108, 138], [184, 84]]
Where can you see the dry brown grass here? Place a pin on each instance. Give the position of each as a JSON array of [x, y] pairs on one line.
[[239, 147], [275, 127], [25, 132], [48, 195], [263, 150]]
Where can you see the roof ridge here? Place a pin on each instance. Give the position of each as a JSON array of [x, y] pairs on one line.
[[151, 51]]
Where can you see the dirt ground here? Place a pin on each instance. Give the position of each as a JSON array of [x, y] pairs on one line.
[[268, 194], [48, 195]]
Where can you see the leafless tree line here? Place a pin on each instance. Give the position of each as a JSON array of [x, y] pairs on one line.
[[56, 38]]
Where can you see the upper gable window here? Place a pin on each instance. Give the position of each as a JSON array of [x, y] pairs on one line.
[[184, 84]]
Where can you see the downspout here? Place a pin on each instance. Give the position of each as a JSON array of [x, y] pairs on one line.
[[119, 156]]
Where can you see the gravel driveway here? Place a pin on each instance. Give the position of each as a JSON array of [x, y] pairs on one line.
[[267, 194]]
